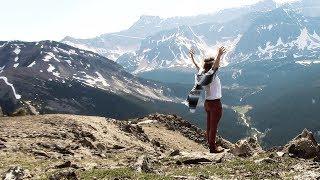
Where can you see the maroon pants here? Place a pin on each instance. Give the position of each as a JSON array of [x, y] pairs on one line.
[[214, 113]]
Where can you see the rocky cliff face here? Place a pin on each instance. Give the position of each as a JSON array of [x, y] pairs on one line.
[[152, 147]]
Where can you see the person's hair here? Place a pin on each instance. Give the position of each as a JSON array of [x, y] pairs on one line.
[[208, 63]]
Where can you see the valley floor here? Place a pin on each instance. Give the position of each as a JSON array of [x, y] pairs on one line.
[[154, 147]]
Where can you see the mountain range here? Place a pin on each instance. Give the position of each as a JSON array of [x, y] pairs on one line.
[[113, 45], [57, 77], [261, 31]]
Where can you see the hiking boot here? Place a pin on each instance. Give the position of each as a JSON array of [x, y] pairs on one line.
[[216, 150]]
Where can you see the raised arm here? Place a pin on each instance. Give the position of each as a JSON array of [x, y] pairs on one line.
[[191, 53], [221, 51]]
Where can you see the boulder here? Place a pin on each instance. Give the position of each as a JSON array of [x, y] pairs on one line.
[[118, 147], [40, 154], [135, 130], [175, 152], [31, 109], [67, 164], [246, 147], [303, 146], [61, 149], [143, 164], [67, 174], [81, 134], [224, 143], [101, 147], [2, 145], [16, 173], [157, 144], [85, 142]]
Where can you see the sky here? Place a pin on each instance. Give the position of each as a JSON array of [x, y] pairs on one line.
[[34, 20]]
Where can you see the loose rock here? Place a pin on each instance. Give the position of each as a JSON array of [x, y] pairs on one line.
[[41, 153], [16, 173], [2, 145], [143, 165], [134, 129], [247, 147], [68, 174], [67, 164], [303, 146], [85, 142], [224, 143], [175, 152]]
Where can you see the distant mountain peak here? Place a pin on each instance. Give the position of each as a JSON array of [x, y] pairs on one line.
[[144, 17], [264, 5], [68, 38]]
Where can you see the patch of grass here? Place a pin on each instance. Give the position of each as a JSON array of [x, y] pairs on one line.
[[242, 167], [206, 170], [26, 162], [239, 166], [242, 109], [120, 173]]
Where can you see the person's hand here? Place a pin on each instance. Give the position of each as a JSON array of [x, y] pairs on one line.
[[222, 50], [191, 53]]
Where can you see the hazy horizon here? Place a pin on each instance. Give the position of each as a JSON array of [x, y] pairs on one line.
[[36, 20]]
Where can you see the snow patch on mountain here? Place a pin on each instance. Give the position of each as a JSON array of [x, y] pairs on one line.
[[111, 53], [16, 65], [307, 62], [32, 64], [101, 79], [16, 95], [51, 68], [17, 50], [303, 39], [50, 55], [279, 49], [1, 68], [170, 50]]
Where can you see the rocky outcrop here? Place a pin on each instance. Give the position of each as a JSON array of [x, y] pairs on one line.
[[134, 129], [224, 143], [16, 173], [303, 146], [65, 174], [246, 147], [30, 108], [2, 143], [143, 164], [176, 123]]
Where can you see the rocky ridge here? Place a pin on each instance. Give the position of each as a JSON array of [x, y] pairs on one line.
[[152, 147]]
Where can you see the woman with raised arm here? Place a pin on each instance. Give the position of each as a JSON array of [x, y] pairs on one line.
[[212, 105]]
